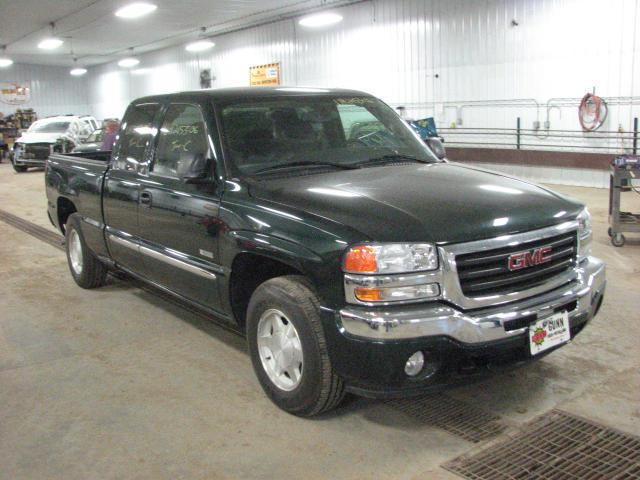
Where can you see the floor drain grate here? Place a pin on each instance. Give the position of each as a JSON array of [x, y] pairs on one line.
[[41, 233], [454, 416], [556, 446]]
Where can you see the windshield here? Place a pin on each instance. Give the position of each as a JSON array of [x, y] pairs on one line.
[[49, 127], [96, 136], [265, 134]]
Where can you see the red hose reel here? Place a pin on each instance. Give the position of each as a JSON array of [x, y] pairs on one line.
[[592, 112]]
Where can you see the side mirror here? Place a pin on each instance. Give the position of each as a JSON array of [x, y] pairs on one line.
[[199, 171], [436, 146]]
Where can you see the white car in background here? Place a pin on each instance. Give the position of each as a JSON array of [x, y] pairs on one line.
[[53, 134]]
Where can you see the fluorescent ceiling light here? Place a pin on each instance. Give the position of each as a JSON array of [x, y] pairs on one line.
[[135, 10], [320, 20], [199, 46], [50, 43], [76, 72], [128, 62], [5, 62]]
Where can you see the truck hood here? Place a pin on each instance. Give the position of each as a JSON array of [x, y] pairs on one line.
[[440, 202], [35, 137]]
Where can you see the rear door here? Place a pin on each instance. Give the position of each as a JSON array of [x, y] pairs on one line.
[[122, 186], [178, 220]]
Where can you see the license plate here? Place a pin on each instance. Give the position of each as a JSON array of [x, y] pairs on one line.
[[549, 332]]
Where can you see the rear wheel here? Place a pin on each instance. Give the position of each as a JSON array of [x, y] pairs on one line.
[[19, 168], [86, 269], [288, 348]]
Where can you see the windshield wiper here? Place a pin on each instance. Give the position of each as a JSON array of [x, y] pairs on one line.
[[281, 166], [391, 157]]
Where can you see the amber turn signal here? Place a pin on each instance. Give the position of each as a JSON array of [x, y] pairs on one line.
[[361, 259], [368, 294]]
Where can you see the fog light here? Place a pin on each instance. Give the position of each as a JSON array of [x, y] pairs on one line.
[[414, 365]]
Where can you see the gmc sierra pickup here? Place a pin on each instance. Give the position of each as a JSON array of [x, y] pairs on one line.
[[351, 258]]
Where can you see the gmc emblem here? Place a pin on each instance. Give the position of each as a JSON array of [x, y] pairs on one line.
[[530, 258]]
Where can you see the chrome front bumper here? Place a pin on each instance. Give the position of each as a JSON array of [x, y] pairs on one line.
[[480, 325]]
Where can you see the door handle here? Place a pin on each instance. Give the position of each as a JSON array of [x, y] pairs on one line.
[[145, 198]]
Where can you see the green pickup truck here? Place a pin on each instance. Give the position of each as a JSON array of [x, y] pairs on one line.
[[353, 259]]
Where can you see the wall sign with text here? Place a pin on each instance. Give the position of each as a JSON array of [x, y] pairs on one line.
[[14, 94], [261, 75]]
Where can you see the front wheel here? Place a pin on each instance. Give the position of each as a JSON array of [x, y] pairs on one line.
[[86, 269], [288, 348]]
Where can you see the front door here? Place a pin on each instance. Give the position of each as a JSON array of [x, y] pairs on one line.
[[178, 220], [122, 185]]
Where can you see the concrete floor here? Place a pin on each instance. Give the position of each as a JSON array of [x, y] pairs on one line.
[[119, 383]]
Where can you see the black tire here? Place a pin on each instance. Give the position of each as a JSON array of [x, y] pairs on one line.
[[610, 232], [618, 240], [320, 389], [91, 273], [19, 168]]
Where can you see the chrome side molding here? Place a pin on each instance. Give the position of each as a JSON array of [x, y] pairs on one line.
[[169, 259]]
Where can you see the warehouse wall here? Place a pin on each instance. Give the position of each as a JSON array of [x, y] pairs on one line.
[[432, 56], [53, 90]]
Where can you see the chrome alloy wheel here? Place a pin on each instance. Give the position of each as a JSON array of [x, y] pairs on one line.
[[75, 252], [280, 349]]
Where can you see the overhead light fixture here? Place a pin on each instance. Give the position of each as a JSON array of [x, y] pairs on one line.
[[5, 61], [76, 71], [50, 43], [320, 20], [199, 46], [128, 62], [135, 10]]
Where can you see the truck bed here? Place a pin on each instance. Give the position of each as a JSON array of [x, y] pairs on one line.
[[78, 178], [100, 156]]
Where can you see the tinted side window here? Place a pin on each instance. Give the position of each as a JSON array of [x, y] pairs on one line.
[[181, 142], [135, 135]]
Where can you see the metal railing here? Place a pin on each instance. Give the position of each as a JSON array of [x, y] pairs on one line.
[[600, 141]]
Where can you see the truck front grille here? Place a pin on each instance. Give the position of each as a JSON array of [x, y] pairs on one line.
[[38, 151], [488, 273]]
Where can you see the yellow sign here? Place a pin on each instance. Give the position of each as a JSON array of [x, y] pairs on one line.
[[261, 75], [14, 94]]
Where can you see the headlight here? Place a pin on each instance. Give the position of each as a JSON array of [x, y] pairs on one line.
[[388, 273], [391, 258], [584, 223], [584, 234]]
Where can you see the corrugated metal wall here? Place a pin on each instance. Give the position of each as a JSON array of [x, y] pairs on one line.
[[53, 90], [395, 49], [431, 56]]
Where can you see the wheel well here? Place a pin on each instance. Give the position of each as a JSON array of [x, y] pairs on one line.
[[65, 209], [247, 273]]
